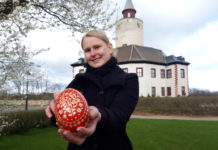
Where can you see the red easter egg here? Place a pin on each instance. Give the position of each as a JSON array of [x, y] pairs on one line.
[[71, 109]]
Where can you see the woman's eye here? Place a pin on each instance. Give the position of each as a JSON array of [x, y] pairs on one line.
[[96, 46], [87, 50]]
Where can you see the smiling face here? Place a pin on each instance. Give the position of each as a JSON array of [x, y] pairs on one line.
[[96, 51]]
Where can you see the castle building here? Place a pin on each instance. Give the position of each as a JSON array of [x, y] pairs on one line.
[[159, 75]]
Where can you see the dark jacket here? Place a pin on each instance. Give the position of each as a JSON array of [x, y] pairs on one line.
[[115, 93]]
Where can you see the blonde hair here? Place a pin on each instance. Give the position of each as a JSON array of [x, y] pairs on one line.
[[98, 34]]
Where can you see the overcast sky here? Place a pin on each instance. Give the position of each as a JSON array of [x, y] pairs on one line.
[[187, 28]]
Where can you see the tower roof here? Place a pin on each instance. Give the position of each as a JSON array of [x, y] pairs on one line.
[[129, 10], [129, 5]]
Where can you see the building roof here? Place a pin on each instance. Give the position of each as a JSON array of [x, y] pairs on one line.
[[140, 54], [129, 5], [79, 62], [135, 53]]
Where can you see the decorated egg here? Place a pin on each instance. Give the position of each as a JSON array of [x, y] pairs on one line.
[[71, 109]]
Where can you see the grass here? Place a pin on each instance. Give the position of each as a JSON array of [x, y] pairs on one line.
[[34, 139], [145, 134], [150, 134]]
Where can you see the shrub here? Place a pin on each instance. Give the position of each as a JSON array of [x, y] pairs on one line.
[[192, 105], [20, 121]]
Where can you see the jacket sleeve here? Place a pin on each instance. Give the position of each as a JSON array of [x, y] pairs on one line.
[[116, 117]]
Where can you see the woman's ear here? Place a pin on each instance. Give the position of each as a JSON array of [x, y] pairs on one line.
[[110, 46]]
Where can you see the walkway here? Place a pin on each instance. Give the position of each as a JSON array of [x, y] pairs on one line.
[[209, 118]]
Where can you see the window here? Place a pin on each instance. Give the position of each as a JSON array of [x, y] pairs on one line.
[[153, 91], [168, 91], [139, 72], [183, 91], [128, 14], [125, 69], [182, 73], [81, 71], [162, 73], [162, 91], [169, 73], [153, 72], [138, 25]]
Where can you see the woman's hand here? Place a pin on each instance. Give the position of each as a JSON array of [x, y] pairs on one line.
[[50, 109], [81, 133]]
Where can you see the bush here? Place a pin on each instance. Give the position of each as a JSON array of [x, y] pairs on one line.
[[20, 121], [192, 105]]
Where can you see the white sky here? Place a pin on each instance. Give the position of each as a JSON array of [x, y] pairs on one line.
[[187, 28]]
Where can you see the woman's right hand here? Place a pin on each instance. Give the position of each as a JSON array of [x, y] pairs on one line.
[[79, 136], [50, 109]]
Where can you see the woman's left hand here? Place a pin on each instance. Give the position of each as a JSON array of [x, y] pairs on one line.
[[79, 136]]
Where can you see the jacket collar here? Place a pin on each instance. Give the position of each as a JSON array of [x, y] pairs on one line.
[[115, 77]]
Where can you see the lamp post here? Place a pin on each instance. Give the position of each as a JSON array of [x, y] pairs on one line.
[[26, 96]]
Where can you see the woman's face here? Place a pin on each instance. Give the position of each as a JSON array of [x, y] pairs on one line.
[[96, 51]]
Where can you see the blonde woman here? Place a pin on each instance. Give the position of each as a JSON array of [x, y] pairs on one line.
[[111, 93]]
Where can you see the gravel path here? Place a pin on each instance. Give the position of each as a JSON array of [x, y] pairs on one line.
[[209, 118]]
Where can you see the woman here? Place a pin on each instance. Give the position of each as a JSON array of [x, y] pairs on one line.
[[111, 93]]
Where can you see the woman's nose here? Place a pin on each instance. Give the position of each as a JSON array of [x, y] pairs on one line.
[[92, 52]]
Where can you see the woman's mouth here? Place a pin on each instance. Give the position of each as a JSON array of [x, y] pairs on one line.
[[95, 60]]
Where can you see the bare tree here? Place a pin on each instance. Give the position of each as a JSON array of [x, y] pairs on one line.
[[16, 64]]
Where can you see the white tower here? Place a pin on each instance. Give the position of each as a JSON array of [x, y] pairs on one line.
[[129, 30]]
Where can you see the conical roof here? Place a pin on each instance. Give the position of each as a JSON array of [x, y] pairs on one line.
[[129, 5]]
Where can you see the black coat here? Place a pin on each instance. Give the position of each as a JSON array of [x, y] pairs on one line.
[[115, 93]]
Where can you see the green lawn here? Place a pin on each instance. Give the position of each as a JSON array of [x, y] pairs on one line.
[[34, 139], [146, 134]]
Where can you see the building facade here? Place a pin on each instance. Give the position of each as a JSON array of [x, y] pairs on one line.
[[159, 75]]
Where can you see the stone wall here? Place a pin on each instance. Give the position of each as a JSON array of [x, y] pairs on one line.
[[41, 103]]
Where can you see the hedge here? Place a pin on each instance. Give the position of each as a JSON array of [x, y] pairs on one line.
[[20, 121]]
